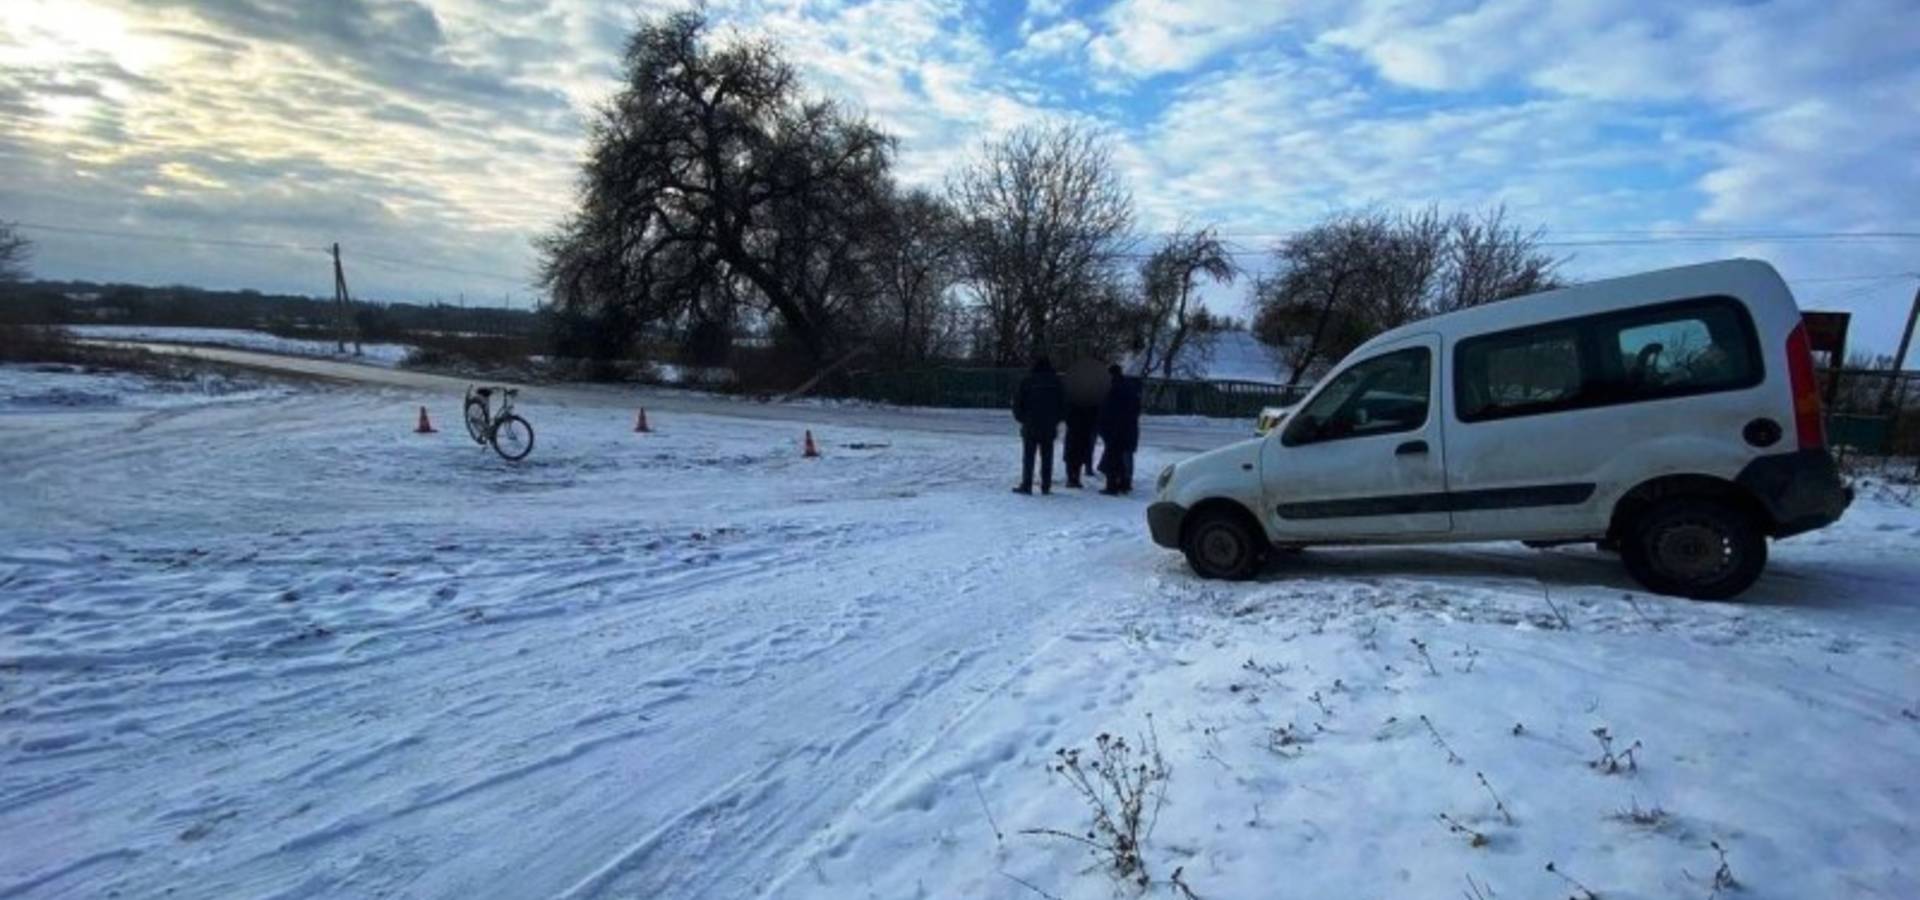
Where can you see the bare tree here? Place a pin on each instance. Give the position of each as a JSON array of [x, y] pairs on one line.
[[710, 184], [1345, 280], [14, 251], [1487, 259], [1411, 251], [1173, 324], [917, 262], [1043, 211], [1315, 307]]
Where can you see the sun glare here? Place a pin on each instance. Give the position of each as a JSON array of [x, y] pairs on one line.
[[42, 33]]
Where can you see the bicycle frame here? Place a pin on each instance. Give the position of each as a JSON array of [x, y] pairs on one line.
[[493, 416], [485, 428]]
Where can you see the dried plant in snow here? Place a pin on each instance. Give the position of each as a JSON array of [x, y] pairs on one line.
[[1474, 838], [1452, 757], [1502, 807], [1611, 762], [1580, 891], [1118, 783]]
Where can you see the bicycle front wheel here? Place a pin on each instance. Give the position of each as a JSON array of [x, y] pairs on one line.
[[513, 438], [477, 421]]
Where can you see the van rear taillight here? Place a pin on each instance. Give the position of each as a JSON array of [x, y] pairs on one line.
[[1807, 421]]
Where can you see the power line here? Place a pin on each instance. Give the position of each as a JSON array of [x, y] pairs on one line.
[[390, 262], [1888, 276], [165, 238], [430, 267], [1608, 237], [1844, 237]]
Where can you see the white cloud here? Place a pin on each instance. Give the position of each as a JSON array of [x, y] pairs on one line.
[[919, 67], [1145, 37], [1042, 10], [1278, 142], [1059, 40]]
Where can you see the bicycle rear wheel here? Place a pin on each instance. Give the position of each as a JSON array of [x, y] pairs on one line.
[[512, 438], [477, 421]]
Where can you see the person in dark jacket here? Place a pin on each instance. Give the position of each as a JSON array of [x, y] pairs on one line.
[[1086, 382], [1038, 405], [1120, 432]]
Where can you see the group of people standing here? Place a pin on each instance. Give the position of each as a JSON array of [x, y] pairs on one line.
[[1093, 403]]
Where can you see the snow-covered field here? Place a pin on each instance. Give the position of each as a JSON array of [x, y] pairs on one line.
[[244, 339], [277, 645]]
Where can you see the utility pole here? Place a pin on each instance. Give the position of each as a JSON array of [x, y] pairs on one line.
[[342, 305], [1887, 399]]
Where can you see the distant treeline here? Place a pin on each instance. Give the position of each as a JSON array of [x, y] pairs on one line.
[[84, 302]]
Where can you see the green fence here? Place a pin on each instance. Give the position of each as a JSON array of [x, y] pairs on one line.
[[970, 388], [1867, 434]]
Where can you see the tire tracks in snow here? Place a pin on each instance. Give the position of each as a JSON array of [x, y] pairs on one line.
[[730, 840]]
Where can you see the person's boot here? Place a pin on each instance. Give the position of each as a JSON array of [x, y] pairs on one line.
[[1024, 489]]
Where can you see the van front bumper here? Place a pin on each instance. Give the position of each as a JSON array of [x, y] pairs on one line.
[[1163, 522], [1801, 490]]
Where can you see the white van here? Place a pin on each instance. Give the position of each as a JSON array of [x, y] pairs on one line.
[[1672, 415]]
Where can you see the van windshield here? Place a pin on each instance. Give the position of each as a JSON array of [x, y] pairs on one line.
[[1383, 395]]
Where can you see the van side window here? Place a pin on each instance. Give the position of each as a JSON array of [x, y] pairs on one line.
[[1650, 353], [1520, 372], [1703, 349], [1383, 395]]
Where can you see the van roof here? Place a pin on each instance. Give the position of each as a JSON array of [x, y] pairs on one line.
[[1751, 280]]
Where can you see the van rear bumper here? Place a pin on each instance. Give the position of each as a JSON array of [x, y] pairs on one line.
[[1163, 522], [1802, 490]]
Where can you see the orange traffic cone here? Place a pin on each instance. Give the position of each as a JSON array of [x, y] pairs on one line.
[[811, 451], [640, 424], [425, 427]]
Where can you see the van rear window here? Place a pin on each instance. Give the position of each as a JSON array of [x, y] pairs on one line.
[[1651, 353]]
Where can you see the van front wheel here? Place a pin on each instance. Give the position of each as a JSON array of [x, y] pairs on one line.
[[1694, 547], [1222, 545]]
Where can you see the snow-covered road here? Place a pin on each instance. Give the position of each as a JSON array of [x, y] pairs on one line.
[[1184, 433], [275, 645]]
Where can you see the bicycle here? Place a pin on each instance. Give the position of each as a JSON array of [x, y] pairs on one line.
[[509, 434]]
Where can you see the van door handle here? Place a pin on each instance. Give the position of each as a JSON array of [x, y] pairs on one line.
[[1411, 448]]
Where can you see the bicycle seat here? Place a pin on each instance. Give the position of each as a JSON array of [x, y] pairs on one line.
[[484, 392]]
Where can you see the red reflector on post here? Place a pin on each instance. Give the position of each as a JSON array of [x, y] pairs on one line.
[[1808, 424]]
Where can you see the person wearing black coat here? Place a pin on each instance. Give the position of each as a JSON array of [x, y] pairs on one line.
[[1120, 432], [1086, 382], [1038, 405]]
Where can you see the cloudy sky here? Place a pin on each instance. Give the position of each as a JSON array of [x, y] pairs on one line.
[[433, 138]]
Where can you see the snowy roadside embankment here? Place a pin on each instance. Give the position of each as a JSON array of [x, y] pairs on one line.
[[1401, 734], [49, 387], [290, 648], [244, 339]]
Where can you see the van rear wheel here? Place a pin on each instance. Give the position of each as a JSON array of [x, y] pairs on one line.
[[1694, 547], [1222, 545]]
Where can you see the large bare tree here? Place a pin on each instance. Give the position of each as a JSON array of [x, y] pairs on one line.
[[1175, 328], [1349, 278], [712, 183], [14, 251], [1323, 297], [1043, 213]]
